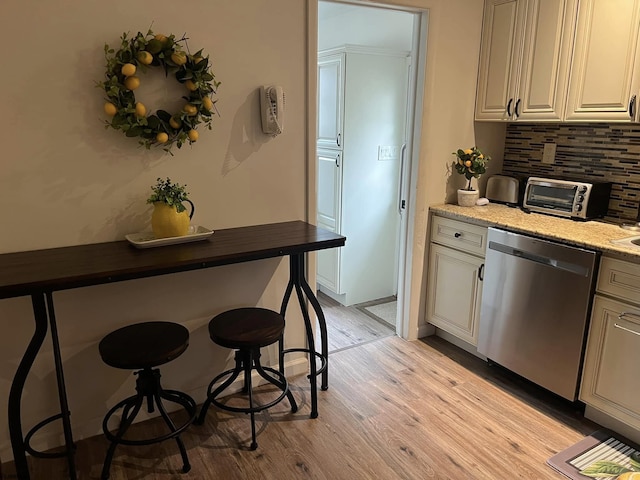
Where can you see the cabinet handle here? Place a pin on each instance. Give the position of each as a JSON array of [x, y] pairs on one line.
[[632, 107], [457, 234], [401, 201], [509, 106], [481, 273], [516, 108], [338, 160], [627, 314], [338, 139], [626, 329]]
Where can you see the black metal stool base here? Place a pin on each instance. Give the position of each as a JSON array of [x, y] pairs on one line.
[[37, 453], [247, 360], [313, 355], [148, 388]]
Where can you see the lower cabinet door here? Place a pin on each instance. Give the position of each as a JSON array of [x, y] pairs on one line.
[[328, 266], [610, 379], [454, 292]]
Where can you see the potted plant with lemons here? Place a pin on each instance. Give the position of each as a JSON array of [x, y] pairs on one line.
[[170, 217], [471, 163]]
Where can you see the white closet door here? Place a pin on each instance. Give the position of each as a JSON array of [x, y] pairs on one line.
[[375, 123]]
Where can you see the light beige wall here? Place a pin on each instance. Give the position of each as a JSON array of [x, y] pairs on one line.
[[65, 180], [72, 182]]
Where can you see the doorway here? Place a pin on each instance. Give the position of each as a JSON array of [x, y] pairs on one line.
[[367, 84]]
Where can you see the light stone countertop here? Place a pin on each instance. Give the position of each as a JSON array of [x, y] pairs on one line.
[[594, 235]]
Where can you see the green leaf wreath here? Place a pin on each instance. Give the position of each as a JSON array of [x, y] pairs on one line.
[[162, 129]]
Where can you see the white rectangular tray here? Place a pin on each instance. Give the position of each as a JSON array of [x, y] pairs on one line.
[[148, 239]]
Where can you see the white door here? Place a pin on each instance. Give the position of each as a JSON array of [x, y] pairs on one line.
[[374, 134]]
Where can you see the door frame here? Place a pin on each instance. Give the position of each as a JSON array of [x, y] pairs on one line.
[[406, 327]]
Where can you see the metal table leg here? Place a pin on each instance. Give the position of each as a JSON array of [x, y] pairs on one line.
[[298, 281], [43, 314]]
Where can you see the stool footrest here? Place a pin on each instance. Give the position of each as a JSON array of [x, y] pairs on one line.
[[280, 378], [174, 396], [323, 359], [31, 433]]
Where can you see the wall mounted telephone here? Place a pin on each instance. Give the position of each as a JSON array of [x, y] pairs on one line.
[[272, 108]]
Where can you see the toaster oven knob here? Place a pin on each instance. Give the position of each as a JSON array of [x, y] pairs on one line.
[[583, 189], [580, 198], [578, 208]]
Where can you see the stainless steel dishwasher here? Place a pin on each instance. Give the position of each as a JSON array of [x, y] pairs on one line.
[[535, 306]]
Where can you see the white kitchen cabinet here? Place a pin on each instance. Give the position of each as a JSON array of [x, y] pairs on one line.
[[456, 262], [524, 67], [610, 380], [359, 168], [330, 177], [331, 108], [604, 68]]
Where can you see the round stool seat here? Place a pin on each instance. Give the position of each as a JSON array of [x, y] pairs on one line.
[[144, 345], [248, 327]]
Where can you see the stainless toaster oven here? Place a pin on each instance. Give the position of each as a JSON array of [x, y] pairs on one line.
[[578, 200]]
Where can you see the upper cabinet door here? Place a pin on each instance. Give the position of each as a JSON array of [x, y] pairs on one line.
[[500, 55], [330, 100], [524, 68], [604, 77], [548, 38]]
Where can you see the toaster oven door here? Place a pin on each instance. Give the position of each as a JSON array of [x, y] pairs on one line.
[[550, 197]]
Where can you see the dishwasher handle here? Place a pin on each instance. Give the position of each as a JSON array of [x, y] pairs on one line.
[[541, 259]]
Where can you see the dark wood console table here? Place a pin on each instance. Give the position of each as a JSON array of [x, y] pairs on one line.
[[39, 273]]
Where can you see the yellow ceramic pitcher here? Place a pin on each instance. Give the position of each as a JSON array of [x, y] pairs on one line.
[[166, 221]]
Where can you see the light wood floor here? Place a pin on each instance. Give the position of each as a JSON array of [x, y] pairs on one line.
[[394, 410], [350, 326]]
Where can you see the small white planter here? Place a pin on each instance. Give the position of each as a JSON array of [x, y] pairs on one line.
[[467, 198]]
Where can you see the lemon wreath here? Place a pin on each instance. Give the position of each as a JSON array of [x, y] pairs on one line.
[[162, 128]]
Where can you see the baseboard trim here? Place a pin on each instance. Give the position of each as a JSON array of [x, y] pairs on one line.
[[611, 423], [467, 347]]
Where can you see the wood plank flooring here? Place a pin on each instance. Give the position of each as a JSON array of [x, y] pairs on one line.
[[350, 326], [394, 410]]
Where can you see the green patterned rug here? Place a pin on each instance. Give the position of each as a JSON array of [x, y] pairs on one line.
[[603, 455]]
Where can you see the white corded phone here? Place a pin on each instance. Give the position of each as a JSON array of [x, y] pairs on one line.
[[272, 108]]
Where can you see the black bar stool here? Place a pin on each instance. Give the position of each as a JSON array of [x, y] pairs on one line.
[[246, 330], [142, 347]]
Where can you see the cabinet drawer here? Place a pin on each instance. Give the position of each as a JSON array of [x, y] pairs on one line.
[[620, 279], [461, 235]]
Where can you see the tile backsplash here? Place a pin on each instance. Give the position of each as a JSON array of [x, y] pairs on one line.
[[599, 151]]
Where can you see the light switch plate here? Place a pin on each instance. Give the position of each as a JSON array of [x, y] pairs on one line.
[[388, 152], [549, 153]]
